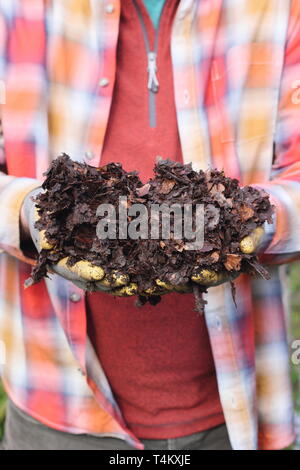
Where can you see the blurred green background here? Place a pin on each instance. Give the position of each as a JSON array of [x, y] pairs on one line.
[[2, 410], [294, 333]]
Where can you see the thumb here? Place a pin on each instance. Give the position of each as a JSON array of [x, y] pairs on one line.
[[250, 243], [81, 271]]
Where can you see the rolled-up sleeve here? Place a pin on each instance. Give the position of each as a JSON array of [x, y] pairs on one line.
[[13, 189], [284, 186]]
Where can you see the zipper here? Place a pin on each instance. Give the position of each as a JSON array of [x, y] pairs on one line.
[[153, 83]]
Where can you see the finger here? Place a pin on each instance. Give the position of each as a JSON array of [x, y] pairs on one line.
[[115, 279], [64, 272], [250, 243], [80, 271], [101, 288], [87, 271], [154, 291], [90, 286], [164, 285], [126, 291], [173, 288], [40, 236], [207, 277], [44, 244]]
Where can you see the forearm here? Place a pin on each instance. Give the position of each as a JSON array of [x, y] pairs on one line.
[[284, 183], [282, 240], [13, 228]]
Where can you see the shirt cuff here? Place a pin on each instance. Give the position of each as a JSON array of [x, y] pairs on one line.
[[11, 200], [268, 236], [269, 228]]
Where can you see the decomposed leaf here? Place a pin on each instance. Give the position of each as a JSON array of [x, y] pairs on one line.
[[245, 212], [167, 186], [233, 262]]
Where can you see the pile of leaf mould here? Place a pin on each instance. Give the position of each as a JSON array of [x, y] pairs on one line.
[[73, 191]]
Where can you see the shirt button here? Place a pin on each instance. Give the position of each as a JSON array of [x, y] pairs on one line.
[[89, 154], [104, 82], [109, 8], [74, 297]]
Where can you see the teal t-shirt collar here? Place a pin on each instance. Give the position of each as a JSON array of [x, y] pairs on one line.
[[154, 8]]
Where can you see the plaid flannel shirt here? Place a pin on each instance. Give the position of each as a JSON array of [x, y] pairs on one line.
[[237, 76]]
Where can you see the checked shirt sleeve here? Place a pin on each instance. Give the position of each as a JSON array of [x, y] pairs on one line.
[[284, 185], [13, 189]]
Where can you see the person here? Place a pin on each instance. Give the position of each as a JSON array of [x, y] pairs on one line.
[[212, 83]]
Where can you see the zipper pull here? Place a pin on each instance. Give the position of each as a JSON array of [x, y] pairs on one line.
[[152, 69]]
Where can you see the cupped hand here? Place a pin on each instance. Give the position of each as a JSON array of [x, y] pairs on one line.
[[83, 273], [248, 246], [210, 278]]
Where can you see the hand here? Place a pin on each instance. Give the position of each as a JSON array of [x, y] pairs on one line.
[[83, 273], [248, 245], [163, 288], [210, 278]]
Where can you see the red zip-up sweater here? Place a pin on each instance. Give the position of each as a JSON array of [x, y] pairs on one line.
[[163, 378]]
